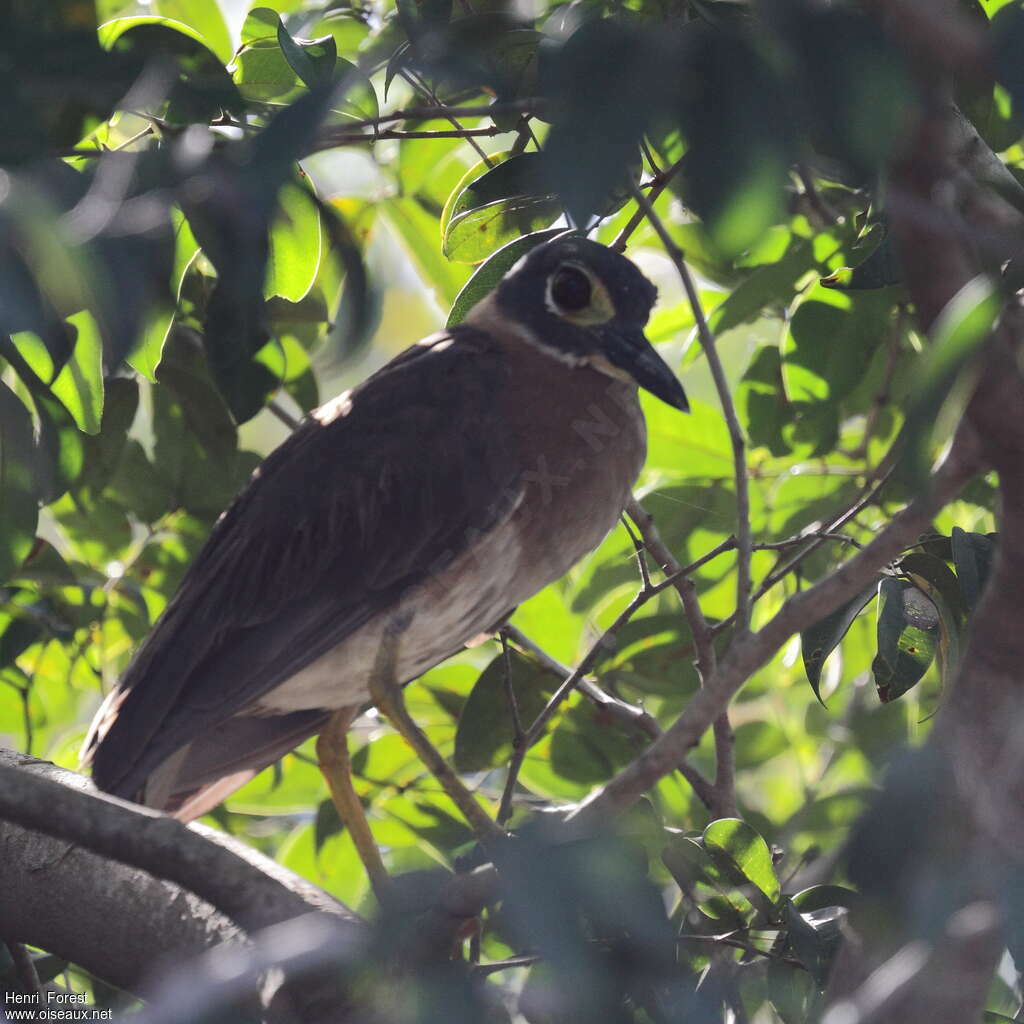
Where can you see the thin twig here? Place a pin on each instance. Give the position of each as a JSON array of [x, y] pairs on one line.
[[510, 692], [536, 730], [723, 793], [439, 111], [828, 216], [707, 340], [638, 547], [749, 653], [620, 711], [483, 970], [656, 186], [290, 421], [417, 80]]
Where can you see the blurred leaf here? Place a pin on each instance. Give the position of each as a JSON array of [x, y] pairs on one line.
[[942, 387], [145, 357], [757, 742], [736, 120], [908, 633], [817, 642], [854, 84], [485, 731], [973, 555], [79, 385], [293, 260], [19, 508], [600, 83], [832, 337], [415, 228]]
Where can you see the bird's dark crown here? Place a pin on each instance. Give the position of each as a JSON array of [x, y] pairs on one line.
[[568, 293]]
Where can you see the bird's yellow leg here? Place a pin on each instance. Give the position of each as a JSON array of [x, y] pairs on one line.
[[386, 694], [336, 766]]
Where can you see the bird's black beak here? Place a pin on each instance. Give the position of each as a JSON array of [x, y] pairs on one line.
[[629, 350]]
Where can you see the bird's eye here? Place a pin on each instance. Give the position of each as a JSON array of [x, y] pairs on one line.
[[570, 289]]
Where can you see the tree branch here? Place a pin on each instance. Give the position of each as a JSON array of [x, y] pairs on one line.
[[751, 652], [246, 887], [707, 340]]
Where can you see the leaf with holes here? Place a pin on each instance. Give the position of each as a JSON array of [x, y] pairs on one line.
[[908, 635]]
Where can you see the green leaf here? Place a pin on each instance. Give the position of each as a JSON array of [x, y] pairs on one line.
[[489, 273], [696, 872], [818, 897], [734, 843], [417, 231], [814, 937], [758, 742], [294, 258], [908, 634], [831, 339], [79, 385], [973, 555], [60, 447], [112, 30], [205, 18], [273, 67], [260, 23], [474, 235], [938, 582], [19, 506], [817, 642], [312, 61], [485, 731], [145, 357], [881, 269], [942, 388]]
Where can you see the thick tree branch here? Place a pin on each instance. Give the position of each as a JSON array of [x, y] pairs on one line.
[[246, 887]]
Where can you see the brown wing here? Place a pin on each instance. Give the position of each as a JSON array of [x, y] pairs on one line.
[[333, 526]]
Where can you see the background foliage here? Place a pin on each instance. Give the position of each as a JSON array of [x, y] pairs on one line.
[[210, 220]]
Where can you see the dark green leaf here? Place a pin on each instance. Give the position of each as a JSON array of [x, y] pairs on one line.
[[485, 732], [19, 504], [818, 641], [908, 634], [312, 61], [737, 846], [814, 937], [735, 117], [942, 386], [973, 555], [601, 82]]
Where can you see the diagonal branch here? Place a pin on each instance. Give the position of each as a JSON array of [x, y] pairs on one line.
[[751, 652]]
